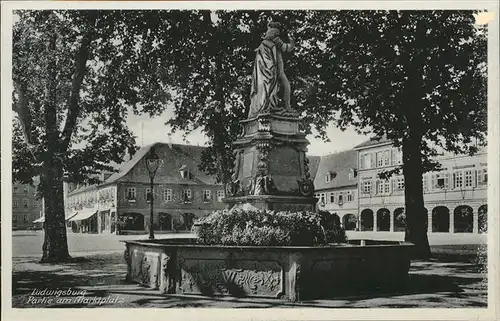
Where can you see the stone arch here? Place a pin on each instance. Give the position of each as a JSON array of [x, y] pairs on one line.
[[349, 222], [399, 219], [441, 219], [463, 219], [482, 217], [131, 222], [383, 220], [367, 220], [164, 221]]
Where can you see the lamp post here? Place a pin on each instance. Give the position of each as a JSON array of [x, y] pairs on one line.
[[153, 162]]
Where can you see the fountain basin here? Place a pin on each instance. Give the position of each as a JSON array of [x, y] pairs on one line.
[[293, 273]]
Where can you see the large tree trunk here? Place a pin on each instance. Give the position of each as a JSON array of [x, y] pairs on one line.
[[55, 245], [416, 229]]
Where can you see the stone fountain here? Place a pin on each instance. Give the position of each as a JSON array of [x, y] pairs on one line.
[[270, 173]]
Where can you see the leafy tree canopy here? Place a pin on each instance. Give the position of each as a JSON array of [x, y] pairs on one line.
[[385, 72], [77, 74]]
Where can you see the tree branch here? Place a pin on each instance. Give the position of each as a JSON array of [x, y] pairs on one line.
[[23, 112], [81, 62]]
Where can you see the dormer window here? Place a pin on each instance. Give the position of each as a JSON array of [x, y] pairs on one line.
[[352, 174], [329, 176], [185, 173]]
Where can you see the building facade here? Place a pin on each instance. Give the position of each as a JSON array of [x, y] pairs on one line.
[[455, 198], [25, 205], [121, 204], [335, 186]]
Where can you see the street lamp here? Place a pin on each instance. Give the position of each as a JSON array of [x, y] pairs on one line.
[[153, 162]]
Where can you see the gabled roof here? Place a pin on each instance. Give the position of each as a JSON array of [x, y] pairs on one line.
[[185, 156], [373, 141], [125, 167], [339, 165]]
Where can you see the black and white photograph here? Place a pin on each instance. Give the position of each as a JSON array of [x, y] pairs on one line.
[[223, 156]]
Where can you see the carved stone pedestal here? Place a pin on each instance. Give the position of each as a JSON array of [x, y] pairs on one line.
[[271, 168]]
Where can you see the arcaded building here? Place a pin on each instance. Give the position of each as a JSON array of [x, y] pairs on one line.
[[455, 198]]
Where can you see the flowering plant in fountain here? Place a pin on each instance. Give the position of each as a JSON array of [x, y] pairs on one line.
[[268, 228]]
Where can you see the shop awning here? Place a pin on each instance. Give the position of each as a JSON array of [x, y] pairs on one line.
[[83, 215], [68, 216]]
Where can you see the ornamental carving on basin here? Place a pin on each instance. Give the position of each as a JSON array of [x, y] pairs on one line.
[[143, 269], [217, 277]]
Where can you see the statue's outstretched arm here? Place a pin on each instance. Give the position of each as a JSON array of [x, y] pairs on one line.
[[285, 47]]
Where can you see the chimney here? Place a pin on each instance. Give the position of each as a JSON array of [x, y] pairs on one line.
[[169, 140]]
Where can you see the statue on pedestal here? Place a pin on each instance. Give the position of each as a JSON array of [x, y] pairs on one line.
[[268, 77], [270, 167]]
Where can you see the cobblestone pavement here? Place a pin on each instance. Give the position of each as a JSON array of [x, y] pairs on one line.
[[439, 283]]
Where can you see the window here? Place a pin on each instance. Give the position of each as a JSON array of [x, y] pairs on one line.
[[185, 174], [350, 196], [220, 195], [468, 178], [25, 203], [380, 161], [440, 181], [146, 194], [131, 193], [187, 195], [14, 219], [322, 197], [352, 174], [328, 177], [366, 161], [482, 177], [15, 189], [362, 161], [400, 158], [383, 187], [15, 203], [398, 184], [394, 155], [366, 187], [341, 198], [25, 190], [331, 197], [206, 196], [167, 195], [386, 157], [25, 218], [458, 178]]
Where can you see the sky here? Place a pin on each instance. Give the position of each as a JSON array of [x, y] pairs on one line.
[[150, 130]]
